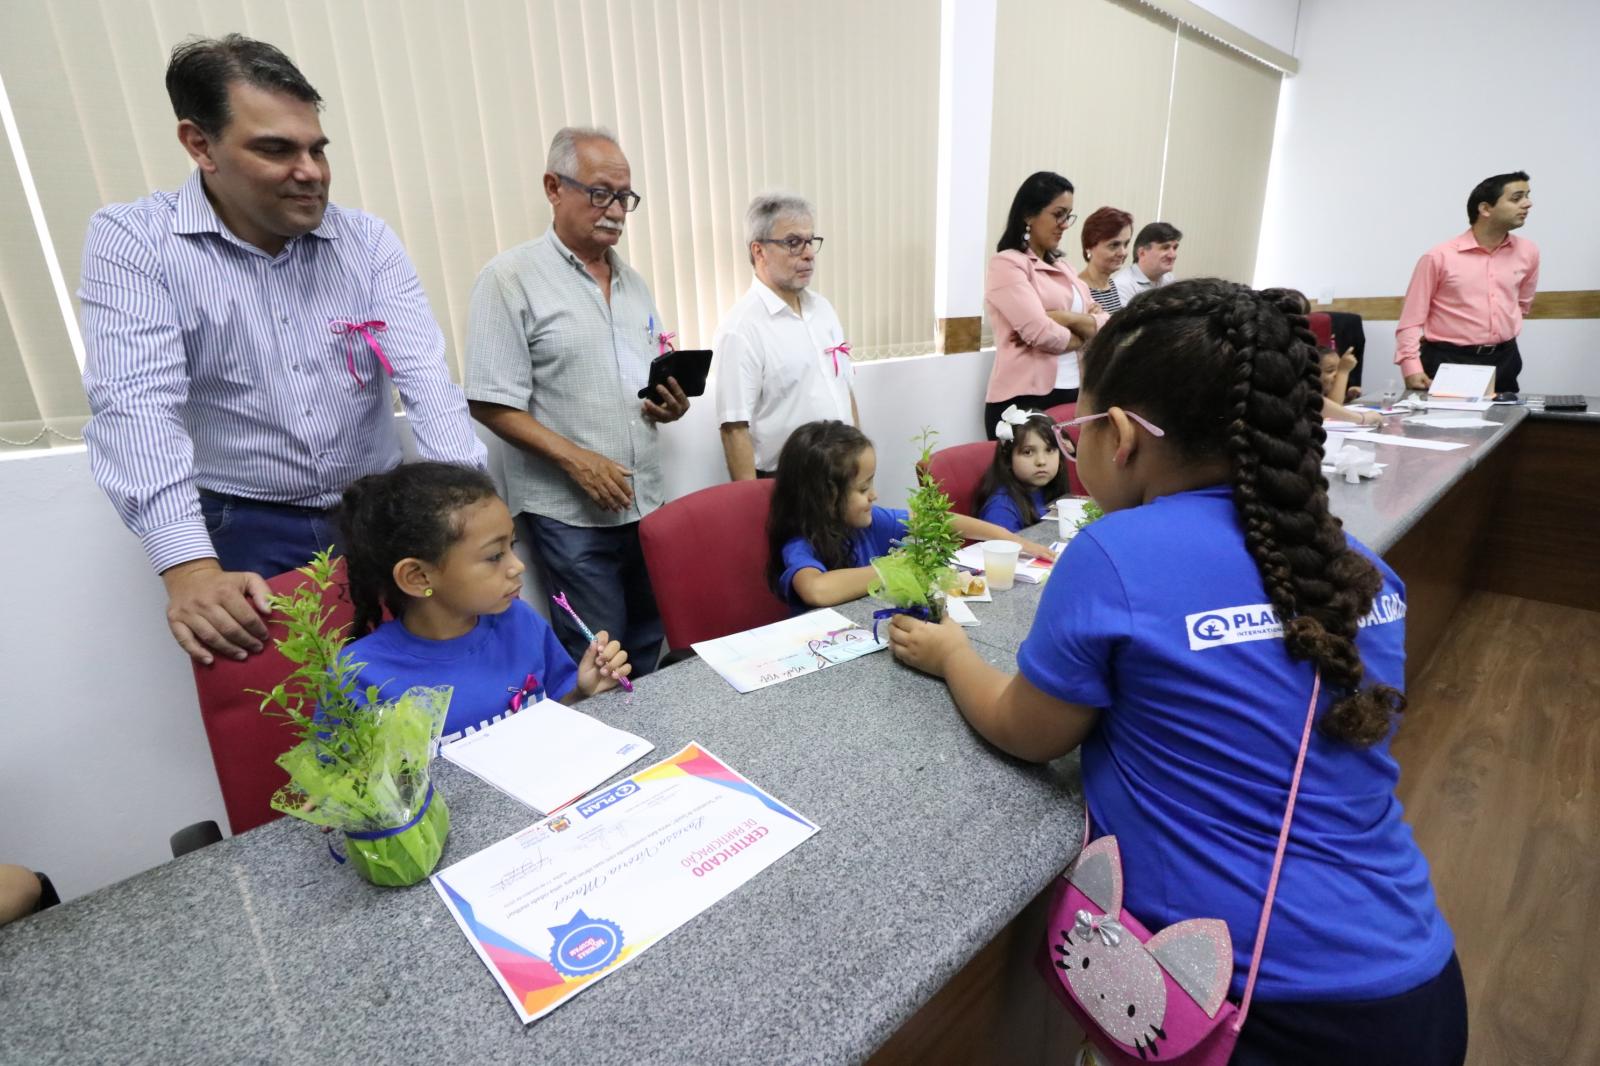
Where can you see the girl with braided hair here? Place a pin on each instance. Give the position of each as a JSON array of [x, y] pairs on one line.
[[1178, 641]]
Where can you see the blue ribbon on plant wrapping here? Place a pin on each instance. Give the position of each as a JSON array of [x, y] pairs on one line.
[[379, 834], [890, 612]]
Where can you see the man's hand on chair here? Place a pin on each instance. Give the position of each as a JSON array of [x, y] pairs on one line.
[[212, 610]]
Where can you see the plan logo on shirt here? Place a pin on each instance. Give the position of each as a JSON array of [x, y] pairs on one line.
[[1232, 625]]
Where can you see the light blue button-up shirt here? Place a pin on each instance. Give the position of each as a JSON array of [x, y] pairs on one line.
[[214, 365]]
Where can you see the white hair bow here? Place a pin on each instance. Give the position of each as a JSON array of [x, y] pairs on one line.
[[1011, 416]]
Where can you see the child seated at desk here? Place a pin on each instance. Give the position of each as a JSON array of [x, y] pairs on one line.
[[825, 530], [1335, 373], [1027, 471], [432, 543], [1181, 642]]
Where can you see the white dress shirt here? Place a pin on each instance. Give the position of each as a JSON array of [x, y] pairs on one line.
[[774, 371], [1130, 281]]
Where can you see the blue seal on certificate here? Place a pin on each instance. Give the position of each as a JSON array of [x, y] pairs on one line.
[[585, 945]]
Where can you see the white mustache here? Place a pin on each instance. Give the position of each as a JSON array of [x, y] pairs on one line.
[[606, 223]]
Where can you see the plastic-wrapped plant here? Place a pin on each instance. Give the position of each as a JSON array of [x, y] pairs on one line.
[[914, 576], [361, 765]]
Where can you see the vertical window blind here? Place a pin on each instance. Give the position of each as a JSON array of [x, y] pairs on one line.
[[440, 115]]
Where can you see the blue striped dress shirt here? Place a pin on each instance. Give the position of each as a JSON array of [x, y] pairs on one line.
[[214, 365]]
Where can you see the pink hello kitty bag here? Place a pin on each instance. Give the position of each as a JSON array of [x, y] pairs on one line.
[[1143, 998]]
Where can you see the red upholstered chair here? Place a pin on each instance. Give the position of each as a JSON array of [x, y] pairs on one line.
[[707, 556], [958, 470], [1321, 323], [244, 741], [1066, 412]]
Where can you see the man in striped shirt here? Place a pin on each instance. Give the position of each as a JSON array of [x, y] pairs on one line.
[[241, 333]]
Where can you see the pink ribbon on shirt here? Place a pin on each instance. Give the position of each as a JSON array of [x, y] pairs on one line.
[[345, 328], [664, 343], [842, 346]]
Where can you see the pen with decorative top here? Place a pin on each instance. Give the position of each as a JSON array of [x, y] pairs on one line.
[[561, 600]]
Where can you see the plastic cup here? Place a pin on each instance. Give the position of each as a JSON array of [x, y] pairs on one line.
[[1000, 562]]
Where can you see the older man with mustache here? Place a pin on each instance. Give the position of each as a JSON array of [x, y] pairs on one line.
[[241, 334], [559, 344]]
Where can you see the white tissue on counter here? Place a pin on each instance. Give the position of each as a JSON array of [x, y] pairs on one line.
[[1352, 463]]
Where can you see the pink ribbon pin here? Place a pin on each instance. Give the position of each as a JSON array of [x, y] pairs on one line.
[[842, 346], [345, 328], [664, 343]]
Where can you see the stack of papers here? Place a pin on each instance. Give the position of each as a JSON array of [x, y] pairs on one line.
[[546, 755], [1464, 421], [788, 649]]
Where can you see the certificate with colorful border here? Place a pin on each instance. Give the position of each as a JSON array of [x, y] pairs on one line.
[[561, 904]]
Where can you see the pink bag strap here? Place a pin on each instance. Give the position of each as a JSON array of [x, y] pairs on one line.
[[1277, 860]]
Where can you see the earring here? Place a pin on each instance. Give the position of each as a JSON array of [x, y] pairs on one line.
[[1027, 233], [427, 592]]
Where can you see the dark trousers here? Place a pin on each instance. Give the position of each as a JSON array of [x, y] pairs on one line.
[[602, 572], [1053, 398], [1506, 359], [1426, 1026], [265, 538]]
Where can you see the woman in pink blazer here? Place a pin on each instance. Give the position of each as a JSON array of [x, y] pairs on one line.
[[1041, 311]]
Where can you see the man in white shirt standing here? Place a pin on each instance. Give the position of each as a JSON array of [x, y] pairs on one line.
[[782, 359], [1155, 253]]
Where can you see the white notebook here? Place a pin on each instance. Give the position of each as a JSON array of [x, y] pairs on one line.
[[547, 755]]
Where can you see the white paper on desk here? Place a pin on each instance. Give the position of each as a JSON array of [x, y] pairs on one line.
[[1339, 425], [1450, 422], [572, 898], [986, 596], [546, 755], [959, 612], [791, 648], [1406, 442], [1461, 381], [1460, 405], [1035, 571]]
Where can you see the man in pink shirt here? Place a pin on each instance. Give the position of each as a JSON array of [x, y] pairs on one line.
[[1468, 295]]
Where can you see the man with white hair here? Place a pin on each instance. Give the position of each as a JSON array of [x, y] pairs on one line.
[[781, 356], [560, 339]]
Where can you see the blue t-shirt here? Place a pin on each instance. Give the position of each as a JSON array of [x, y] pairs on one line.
[[1158, 616], [1001, 509], [510, 658], [888, 525]]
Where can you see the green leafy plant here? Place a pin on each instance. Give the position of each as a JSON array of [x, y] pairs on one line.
[[916, 573], [1091, 511], [361, 764]]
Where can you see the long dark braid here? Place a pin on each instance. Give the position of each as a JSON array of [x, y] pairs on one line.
[[409, 512], [1230, 372]]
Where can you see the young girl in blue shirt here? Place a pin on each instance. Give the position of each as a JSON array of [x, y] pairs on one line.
[[1027, 472], [432, 543], [1177, 643], [824, 529]]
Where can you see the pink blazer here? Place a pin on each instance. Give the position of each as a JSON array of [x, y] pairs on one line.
[[1018, 291]]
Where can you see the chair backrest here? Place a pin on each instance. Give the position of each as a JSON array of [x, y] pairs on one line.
[[958, 469], [1321, 324], [707, 556], [244, 741], [1066, 412]]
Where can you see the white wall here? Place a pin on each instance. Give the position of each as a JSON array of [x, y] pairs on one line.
[[104, 755], [1397, 112]]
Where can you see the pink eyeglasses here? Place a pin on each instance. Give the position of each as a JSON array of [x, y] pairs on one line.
[[1072, 452]]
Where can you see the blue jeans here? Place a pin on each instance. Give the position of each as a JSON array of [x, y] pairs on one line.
[[265, 538], [602, 572]]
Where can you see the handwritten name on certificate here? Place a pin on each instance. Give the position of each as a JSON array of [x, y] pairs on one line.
[[563, 903]]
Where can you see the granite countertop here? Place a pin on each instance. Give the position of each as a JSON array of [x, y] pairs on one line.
[[261, 949]]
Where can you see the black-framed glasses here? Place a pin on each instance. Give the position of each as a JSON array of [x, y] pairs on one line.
[[602, 197], [795, 245]]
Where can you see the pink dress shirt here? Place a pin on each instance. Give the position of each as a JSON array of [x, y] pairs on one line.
[[1461, 294], [1019, 292]]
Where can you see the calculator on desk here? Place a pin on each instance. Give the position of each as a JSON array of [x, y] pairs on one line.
[[1564, 403]]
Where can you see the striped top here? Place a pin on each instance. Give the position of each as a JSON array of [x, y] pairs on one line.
[[542, 338], [1109, 299], [212, 364]]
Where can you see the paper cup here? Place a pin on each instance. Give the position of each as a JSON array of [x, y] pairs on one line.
[[1069, 512], [1000, 562]]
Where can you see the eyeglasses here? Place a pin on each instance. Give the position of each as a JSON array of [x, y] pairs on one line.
[[602, 197], [1072, 454], [1064, 219], [795, 245]]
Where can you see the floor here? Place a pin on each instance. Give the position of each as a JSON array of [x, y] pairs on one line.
[[1500, 777]]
